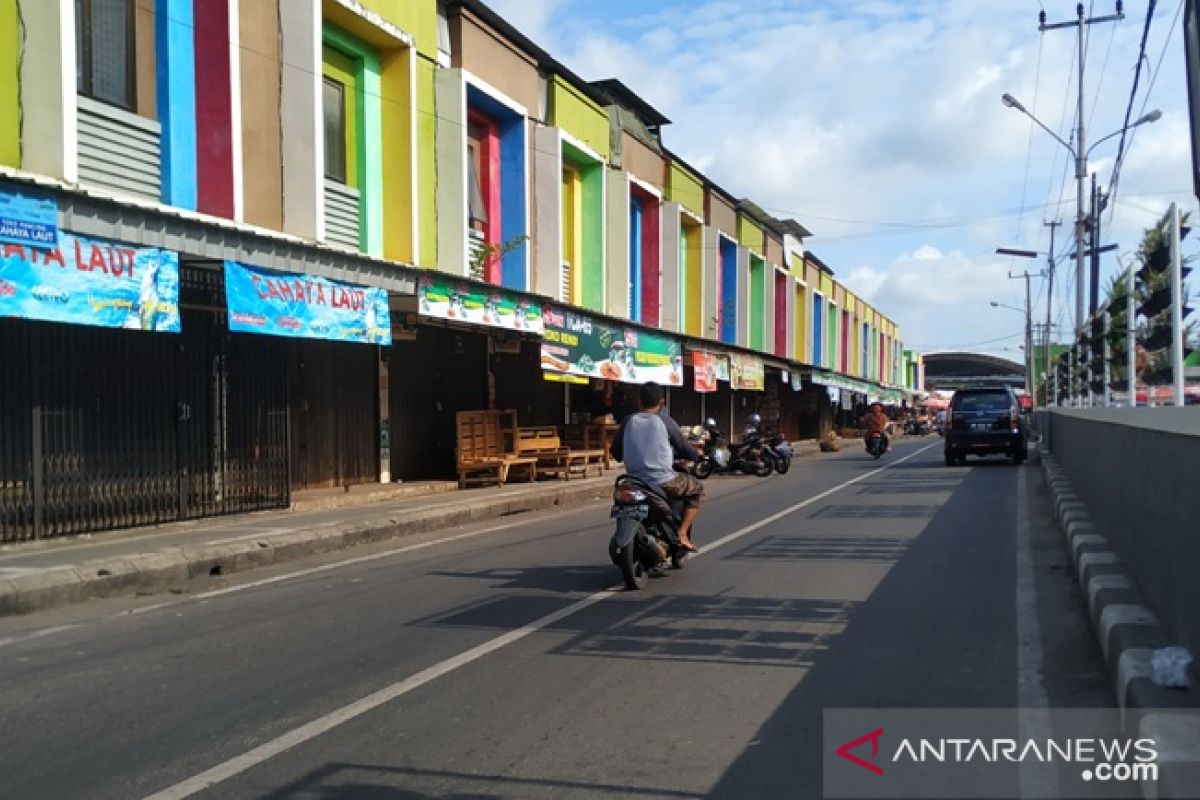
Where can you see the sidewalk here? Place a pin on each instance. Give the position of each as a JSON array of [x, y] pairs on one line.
[[57, 572]]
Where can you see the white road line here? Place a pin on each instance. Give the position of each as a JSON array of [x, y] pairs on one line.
[[327, 567], [321, 725], [22, 637], [1033, 720], [14, 639]]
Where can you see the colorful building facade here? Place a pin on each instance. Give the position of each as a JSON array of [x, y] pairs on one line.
[[425, 154]]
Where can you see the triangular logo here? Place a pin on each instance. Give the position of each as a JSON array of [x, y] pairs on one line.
[[873, 738]]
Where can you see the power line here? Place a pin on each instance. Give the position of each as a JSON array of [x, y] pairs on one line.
[[1037, 79], [1137, 74]]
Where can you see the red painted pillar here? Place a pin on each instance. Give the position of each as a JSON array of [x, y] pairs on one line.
[[651, 261], [781, 289], [214, 110]]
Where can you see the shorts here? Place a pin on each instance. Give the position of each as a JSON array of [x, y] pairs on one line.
[[686, 488]]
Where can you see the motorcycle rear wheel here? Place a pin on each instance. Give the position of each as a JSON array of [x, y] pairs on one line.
[[766, 465], [633, 571]]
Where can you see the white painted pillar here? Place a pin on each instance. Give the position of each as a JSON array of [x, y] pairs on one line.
[[302, 120], [49, 122]]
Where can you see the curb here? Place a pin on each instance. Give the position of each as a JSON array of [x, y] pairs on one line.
[[1128, 633], [173, 567]]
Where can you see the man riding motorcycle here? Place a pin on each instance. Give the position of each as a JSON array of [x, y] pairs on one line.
[[876, 422], [648, 444]]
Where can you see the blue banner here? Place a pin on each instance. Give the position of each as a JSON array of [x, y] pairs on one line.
[[28, 219], [305, 306], [91, 282]]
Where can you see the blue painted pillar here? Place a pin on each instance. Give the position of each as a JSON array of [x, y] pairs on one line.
[[175, 65], [514, 226]]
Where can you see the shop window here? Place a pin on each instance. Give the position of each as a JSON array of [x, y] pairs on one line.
[[333, 95], [104, 51]]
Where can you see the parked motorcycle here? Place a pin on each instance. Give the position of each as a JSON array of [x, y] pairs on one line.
[[646, 537], [716, 456], [781, 451], [876, 444]]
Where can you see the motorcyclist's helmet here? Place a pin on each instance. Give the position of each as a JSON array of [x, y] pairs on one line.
[[710, 423], [755, 421]]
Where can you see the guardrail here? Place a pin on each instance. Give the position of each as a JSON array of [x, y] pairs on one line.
[[1138, 472]]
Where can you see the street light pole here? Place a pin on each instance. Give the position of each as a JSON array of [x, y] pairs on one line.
[[1080, 151]]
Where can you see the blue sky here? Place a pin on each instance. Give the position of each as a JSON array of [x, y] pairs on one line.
[[878, 125]]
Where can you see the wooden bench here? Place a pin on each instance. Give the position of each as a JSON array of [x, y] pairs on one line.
[[552, 457], [487, 449], [587, 442]]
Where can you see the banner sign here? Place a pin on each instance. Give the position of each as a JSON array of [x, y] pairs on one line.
[[705, 371], [91, 282], [841, 382], [577, 345], [305, 306], [444, 298], [747, 372], [28, 219]]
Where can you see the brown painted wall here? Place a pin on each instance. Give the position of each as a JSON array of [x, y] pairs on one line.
[[261, 155], [775, 251], [721, 215], [143, 32], [480, 51], [642, 162]]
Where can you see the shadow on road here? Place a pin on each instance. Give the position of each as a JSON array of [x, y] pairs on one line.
[[343, 781]]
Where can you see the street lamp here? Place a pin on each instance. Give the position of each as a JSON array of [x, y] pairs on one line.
[[1081, 155], [1028, 348]]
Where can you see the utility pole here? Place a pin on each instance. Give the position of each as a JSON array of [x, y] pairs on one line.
[[1050, 298], [1130, 337], [1028, 328], [1080, 150]]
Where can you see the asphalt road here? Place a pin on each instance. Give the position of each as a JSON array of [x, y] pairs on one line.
[[497, 662]]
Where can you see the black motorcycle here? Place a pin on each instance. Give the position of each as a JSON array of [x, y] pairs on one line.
[[876, 444], [647, 534], [781, 451], [751, 456]]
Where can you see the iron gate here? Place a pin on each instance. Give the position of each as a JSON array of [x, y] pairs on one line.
[[103, 428]]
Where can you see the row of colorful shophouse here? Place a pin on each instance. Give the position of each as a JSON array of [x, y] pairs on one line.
[[289, 269]]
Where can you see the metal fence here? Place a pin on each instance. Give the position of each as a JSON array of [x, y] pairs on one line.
[[103, 429]]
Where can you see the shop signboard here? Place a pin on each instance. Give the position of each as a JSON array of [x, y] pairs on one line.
[[747, 372], [305, 306], [91, 282], [574, 344], [459, 301], [28, 219], [704, 367]]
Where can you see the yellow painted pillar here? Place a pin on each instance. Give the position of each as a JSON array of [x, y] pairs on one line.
[[10, 97]]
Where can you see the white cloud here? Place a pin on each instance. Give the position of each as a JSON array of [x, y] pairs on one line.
[[878, 125]]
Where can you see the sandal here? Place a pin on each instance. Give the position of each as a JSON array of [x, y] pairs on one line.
[[686, 544]]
